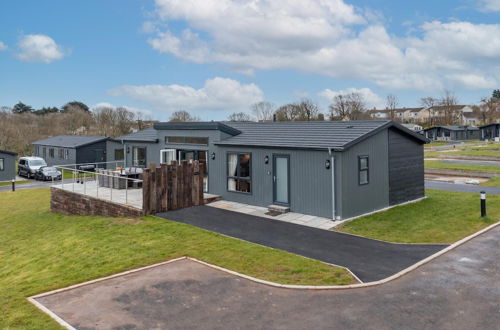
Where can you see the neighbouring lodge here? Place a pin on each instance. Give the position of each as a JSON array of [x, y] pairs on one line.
[[490, 132], [7, 165], [75, 149], [452, 133], [334, 169]]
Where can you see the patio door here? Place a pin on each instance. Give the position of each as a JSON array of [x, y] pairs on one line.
[[281, 179], [167, 156]]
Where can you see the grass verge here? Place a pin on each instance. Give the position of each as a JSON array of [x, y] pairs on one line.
[[494, 182], [443, 217], [8, 183], [463, 167], [41, 251]]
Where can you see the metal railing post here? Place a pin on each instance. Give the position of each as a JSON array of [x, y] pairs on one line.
[[84, 183], [73, 180], [111, 189], [126, 190]]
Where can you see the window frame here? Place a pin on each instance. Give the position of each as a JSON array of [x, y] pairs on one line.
[[122, 151], [51, 153], [145, 156], [364, 169], [238, 177], [2, 164], [60, 153]]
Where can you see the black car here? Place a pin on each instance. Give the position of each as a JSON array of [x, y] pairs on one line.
[[45, 173]]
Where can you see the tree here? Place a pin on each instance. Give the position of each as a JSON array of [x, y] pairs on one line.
[[75, 105], [429, 103], [46, 110], [263, 111], [391, 105], [306, 110], [287, 112], [448, 102], [488, 110], [496, 94], [22, 108], [348, 107], [113, 121], [182, 116], [239, 116]]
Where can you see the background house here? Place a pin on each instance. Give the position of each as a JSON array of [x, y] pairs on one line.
[[74, 149], [452, 133], [7, 165], [335, 169]]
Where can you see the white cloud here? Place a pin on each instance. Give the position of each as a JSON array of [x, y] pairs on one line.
[[39, 48], [489, 5], [216, 94], [144, 112], [332, 38], [3, 46], [371, 98]]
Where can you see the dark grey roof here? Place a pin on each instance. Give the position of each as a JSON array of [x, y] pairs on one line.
[[8, 152], [211, 125], [492, 124], [146, 135], [338, 135], [454, 128], [70, 141]]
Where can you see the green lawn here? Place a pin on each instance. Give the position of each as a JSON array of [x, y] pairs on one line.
[[444, 217], [8, 183], [464, 167], [41, 251], [494, 182]]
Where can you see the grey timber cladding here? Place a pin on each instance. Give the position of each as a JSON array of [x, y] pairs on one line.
[[359, 199], [9, 165], [406, 169], [310, 181]]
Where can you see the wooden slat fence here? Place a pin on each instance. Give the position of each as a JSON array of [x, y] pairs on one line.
[[172, 187]]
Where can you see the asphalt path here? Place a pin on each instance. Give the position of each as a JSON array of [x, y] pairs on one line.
[[461, 187], [369, 260], [470, 162]]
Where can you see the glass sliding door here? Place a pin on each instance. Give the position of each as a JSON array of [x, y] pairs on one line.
[[281, 178], [167, 156]]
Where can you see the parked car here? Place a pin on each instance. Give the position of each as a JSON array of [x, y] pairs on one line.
[[28, 166], [46, 173]]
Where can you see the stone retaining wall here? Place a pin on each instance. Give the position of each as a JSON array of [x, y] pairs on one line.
[[70, 203]]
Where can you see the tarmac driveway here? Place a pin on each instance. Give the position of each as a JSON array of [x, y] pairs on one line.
[[368, 259], [458, 290]]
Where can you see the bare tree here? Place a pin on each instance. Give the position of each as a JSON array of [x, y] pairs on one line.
[[182, 116], [429, 103], [448, 104], [392, 104], [348, 107], [488, 110], [287, 112], [306, 110], [113, 122], [263, 111], [239, 116]]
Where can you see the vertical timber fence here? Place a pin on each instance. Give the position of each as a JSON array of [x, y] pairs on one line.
[[172, 187]]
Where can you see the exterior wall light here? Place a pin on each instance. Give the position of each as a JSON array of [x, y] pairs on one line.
[[128, 149], [327, 164], [212, 156], [266, 160]]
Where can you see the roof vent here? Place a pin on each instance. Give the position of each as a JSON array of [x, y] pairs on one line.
[[349, 126]]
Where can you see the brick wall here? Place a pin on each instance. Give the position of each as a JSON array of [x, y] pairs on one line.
[[70, 203]]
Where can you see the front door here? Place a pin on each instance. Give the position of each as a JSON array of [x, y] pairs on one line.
[[281, 178]]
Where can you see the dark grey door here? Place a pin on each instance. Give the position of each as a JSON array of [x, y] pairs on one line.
[[281, 179]]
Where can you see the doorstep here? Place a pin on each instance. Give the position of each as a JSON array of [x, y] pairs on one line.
[[292, 217]]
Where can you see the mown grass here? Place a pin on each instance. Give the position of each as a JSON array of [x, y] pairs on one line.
[[41, 251], [462, 167], [494, 182], [443, 217], [8, 183]]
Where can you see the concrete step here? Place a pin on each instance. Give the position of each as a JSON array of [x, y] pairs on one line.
[[209, 198], [278, 208]]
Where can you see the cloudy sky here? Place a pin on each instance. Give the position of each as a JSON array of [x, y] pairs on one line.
[[214, 57]]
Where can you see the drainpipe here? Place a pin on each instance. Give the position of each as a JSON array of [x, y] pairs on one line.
[[332, 167]]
